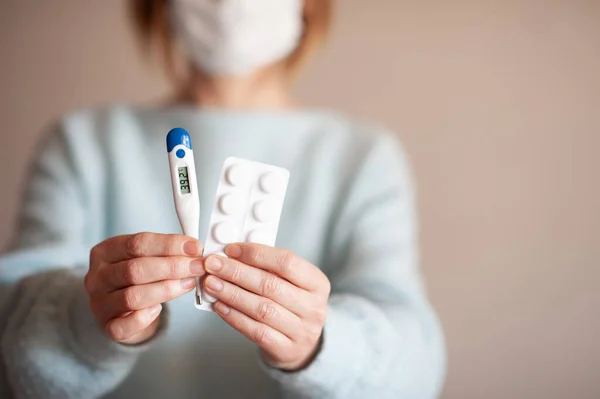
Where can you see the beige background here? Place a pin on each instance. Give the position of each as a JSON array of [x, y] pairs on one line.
[[498, 103]]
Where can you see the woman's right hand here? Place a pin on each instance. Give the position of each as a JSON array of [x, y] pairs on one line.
[[130, 277]]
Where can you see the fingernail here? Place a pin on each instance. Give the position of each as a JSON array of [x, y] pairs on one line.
[[220, 307], [214, 284], [154, 310], [188, 283], [193, 248], [196, 267], [213, 264], [233, 250]]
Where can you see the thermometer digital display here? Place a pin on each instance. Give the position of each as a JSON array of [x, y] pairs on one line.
[[184, 181]]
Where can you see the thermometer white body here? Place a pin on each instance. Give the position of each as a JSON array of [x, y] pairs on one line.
[[183, 177]]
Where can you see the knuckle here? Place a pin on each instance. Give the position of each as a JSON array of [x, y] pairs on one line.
[[237, 273], [266, 311], [240, 324], [254, 254], [270, 286], [133, 272], [320, 314], [172, 243], [115, 330], [95, 254], [135, 244], [234, 297], [262, 336], [172, 265], [131, 298], [169, 290], [286, 261], [138, 320], [88, 283]]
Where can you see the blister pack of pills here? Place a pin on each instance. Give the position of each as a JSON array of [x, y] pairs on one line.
[[247, 208]]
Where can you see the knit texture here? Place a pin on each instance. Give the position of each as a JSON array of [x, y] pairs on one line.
[[350, 209]]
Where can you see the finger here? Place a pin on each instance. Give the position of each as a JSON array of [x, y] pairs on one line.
[[280, 261], [264, 336], [139, 245], [260, 309], [260, 282], [123, 328], [138, 297], [139, 271]]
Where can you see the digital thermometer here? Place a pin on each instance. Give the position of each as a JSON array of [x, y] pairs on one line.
[[183, 177]]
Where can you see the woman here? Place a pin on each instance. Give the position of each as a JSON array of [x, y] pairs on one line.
[[93, 286]]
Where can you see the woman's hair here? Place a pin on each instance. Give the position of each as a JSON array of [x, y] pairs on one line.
[[152, 23]]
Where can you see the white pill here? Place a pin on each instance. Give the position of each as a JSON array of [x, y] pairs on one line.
[[270, 182], [264, 211], [237, 175], [259, 236], [225, 233], [230, 204]]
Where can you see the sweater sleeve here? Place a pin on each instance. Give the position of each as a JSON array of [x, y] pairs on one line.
[[50, 345], [382, 338]]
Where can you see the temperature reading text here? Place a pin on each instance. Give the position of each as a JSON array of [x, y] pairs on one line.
[[184, 181]]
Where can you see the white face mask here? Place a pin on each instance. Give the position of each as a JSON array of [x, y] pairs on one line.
[[237, 37]]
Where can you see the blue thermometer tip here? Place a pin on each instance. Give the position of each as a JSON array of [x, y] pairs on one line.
[[178, 136]]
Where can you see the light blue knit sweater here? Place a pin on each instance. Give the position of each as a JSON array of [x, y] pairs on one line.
[[349, 209]]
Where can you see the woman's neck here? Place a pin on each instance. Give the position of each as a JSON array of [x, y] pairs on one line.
[[265, 89]]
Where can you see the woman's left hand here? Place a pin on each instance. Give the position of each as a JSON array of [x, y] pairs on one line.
[[272, 296]]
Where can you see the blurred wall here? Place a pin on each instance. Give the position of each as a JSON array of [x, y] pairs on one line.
[[498, 103]]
